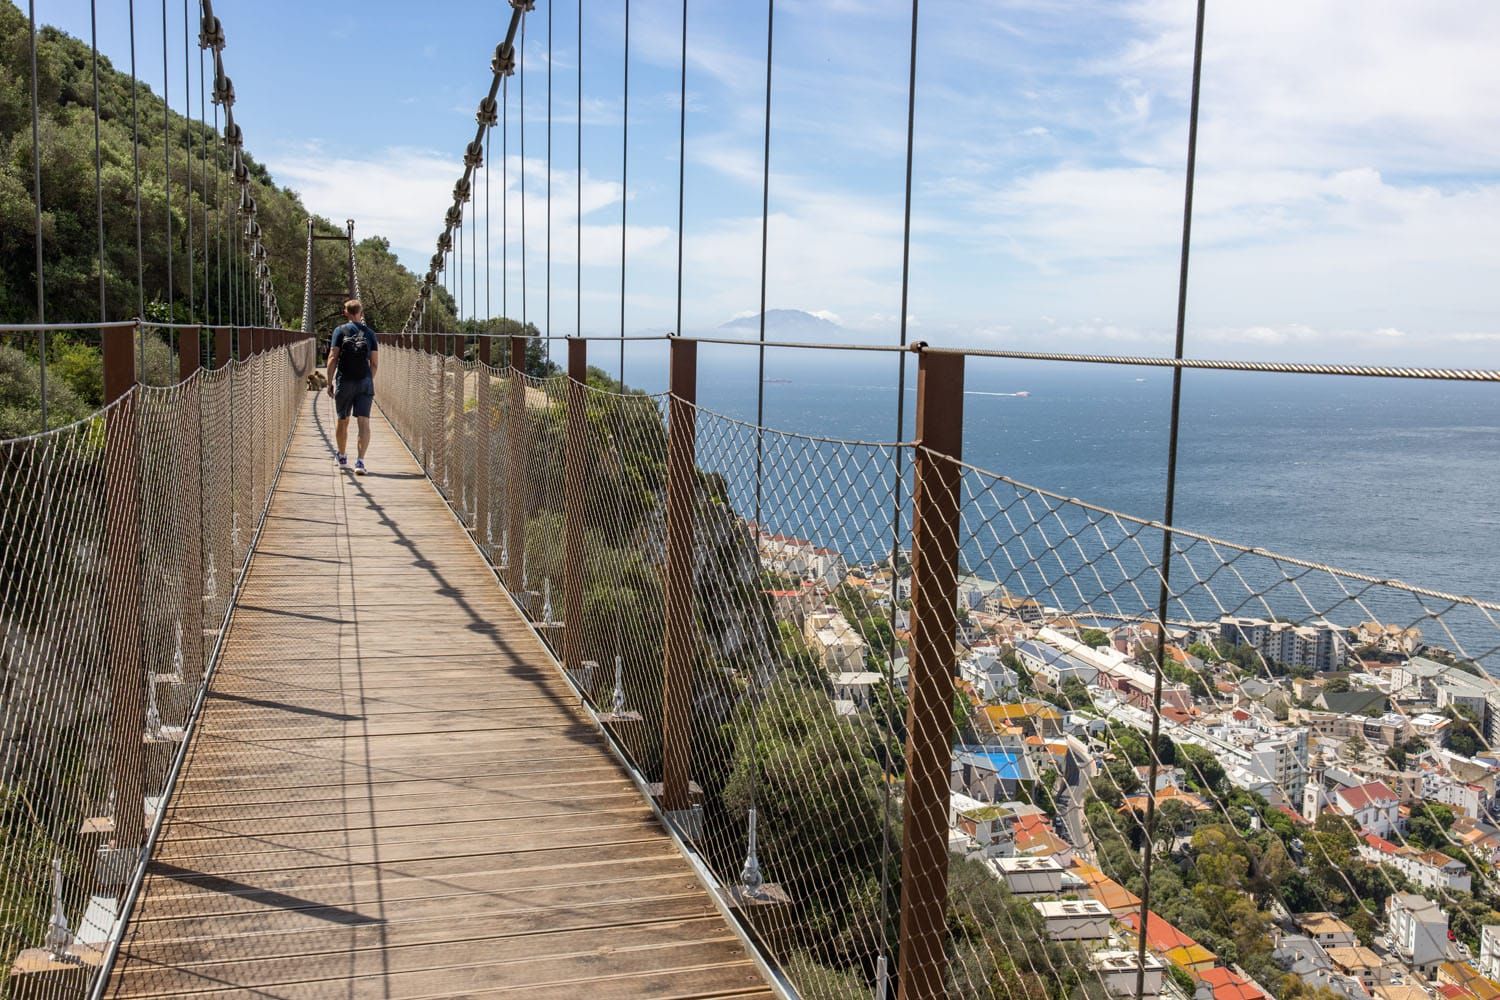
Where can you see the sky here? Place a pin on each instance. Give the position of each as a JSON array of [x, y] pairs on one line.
[[1347, 204]]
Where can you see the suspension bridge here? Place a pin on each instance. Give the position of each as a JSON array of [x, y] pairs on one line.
[[589, 689]]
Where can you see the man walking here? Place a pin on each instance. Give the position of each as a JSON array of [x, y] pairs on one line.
[[352, 364]]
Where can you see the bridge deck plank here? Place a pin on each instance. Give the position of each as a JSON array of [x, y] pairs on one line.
[[391, 792]]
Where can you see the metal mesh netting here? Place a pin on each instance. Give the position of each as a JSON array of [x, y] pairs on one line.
[[120, 539], [1294, 771]]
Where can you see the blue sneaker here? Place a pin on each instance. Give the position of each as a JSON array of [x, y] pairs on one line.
[[359, 467], [343, 459]]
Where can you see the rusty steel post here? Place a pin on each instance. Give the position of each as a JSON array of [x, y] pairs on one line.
[[458, 470], [223, 344], [242, 343], [484, 423], [190, 502], [679, 649], [122, 528], [515, 470], [929, 718], [574, 501]]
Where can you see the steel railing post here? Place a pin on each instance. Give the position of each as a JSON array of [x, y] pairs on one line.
[[679, 650], [457, 468], [190, 505], [123, 599], [929, 721], [515, 471], [483, 427], [574, 501]]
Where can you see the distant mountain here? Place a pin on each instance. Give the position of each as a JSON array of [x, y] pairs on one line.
[[785, 324]]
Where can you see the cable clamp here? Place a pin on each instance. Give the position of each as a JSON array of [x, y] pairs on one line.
[[504, 63], [211, 34], [488, 114]]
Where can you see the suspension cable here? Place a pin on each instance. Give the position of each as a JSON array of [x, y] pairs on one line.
[[897, 470], [547, 344], [521, 131], [187, 104], [681, 162], [578, 195], [502, 65], [135, 161], [98, 158], [624, 188], [166, 153], [760, 413], [36, 197], [1164, 594]]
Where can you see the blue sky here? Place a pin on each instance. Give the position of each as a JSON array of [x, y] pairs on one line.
[[1349, 163]]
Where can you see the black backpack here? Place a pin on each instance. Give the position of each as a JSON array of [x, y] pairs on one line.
[[356, 343]]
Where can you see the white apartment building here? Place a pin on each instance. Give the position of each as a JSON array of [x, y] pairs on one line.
[[1321, 646], [1489, 951], [1120, 969], [1418, 930], [1432, 869], [837, 644], [1028, 876], [1074, 919], [1462, 797], [984, 668], [1271, 756]]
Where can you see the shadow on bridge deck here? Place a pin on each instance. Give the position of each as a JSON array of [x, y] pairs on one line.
[[390, 794]]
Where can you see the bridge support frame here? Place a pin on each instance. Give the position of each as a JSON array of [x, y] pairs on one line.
[[574, 502], [484, 427], [122, 528], [190, 527], [515, 473], [679, 647], [929, 720]]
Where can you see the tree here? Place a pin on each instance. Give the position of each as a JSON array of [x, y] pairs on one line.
[[1094, 637], [1204, 772]]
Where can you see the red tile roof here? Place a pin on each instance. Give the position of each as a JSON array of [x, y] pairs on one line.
[[1230, 985], [1370, 793]]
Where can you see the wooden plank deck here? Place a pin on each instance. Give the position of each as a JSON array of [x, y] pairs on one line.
[[391, 794]]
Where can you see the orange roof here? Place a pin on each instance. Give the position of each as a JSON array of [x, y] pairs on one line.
[[1160, 935], [1115, 897], [1230, 985], [1137, 803]]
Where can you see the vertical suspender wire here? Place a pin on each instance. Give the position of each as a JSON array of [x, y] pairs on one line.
[[896, 490], [578, 194], [218, 219], [681, 162], [473, 259], [135, 159], [36, 195], [505, 199], [521, 130], [487, 312], [760, 403], [624, 188], [98, 158], [1164, 595], [548, 320], [203, 165], [166, 154], [187, 201]]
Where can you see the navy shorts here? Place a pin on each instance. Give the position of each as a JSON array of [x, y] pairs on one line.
[[354, 396]]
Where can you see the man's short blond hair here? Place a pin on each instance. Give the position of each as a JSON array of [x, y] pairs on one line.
[[354, 307]]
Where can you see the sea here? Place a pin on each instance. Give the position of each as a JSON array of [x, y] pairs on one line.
[[1395, 479]]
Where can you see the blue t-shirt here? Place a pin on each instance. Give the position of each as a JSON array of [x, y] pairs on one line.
[[355, 343]]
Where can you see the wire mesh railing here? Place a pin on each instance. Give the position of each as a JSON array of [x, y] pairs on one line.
[[921, 723], [122, 536]]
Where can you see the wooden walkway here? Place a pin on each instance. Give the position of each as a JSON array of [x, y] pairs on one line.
[[391, 793]]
